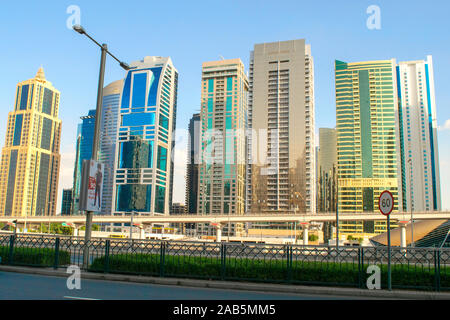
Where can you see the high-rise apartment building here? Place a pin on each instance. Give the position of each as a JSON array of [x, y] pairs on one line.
[[85, 138], [30, 158], [281, 146], [223, 124], [178, 209], [108, 138], [66, 205], [367, 140], [326, 176], [418, 136], [193, 164], [143, 173], [326, 170]]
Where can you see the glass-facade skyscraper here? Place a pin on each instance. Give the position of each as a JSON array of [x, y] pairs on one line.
[[367, 140], [30, 158], [193, 164], [143, 173], [326, 170], [223, 124], [85, 138], [66, 205], [418, 136]]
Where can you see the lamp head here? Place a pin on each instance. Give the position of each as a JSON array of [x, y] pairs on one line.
[[79, 29], [125, 66]]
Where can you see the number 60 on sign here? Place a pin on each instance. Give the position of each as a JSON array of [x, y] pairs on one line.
[[386, 203]]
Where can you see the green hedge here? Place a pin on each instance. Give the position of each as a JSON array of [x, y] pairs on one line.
[[343, 274], [42, 257]]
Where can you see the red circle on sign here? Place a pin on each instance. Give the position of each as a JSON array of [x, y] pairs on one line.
[[379, 203]]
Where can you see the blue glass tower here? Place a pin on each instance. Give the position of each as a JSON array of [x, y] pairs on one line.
[[85, 137], [143, 175]]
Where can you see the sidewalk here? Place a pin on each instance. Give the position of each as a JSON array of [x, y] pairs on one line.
[[233, 285]]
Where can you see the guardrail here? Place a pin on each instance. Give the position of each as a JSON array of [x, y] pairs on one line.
[[412, 268]]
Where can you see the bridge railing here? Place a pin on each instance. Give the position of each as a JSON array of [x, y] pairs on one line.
[[412, 268]]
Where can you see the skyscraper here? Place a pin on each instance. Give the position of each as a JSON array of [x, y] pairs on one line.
[[367, 140], [142, 178], [66, 205], [281, 147], [327, 166], [30, 158], [223, 124], [418, 136], [108, 138], [85, 138], [193, 164], [327, 176]]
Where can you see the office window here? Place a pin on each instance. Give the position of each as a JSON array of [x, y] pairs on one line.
[[160, 195], [133, 197], [139, 90], [18, 130], [211, 85], [162, 158], [154, 82], [24, 98], [47, 101], [136, 154], [164, 122], [138, 119], [46, 133]]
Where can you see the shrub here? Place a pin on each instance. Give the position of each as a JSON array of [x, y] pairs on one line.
[[43, 257], [346, 274]]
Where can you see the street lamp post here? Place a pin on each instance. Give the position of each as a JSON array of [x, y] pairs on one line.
[[411, 201], [337, 214], [98, 112], [295, 225], [131, 225]]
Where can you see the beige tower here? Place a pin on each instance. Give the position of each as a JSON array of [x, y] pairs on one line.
[[30, 158], [281, 150]]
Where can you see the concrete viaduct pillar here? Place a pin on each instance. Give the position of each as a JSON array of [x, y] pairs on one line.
[[219, 228], [305, 233], [76, 229], [403, 233]]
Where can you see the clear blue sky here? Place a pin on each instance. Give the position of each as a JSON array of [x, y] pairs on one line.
[[34, 33]]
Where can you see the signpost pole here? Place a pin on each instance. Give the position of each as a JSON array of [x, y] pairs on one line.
[[337, 215], [386, 205], [131, 225], [389, 252]]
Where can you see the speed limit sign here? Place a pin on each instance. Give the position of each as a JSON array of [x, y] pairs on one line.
[[386, 203]]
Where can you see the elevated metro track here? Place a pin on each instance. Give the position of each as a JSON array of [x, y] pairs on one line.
[[263, 217]]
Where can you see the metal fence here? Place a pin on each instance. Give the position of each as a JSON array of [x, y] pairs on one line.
[[412, 268]]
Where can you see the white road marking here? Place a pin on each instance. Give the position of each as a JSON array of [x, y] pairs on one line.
[[79, 298]]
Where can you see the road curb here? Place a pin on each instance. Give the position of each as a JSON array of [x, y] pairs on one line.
[[244, 286]]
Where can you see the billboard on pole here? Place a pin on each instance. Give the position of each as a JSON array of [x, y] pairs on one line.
[[91, 190]]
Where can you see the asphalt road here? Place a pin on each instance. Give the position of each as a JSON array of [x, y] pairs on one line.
[[16, 286]]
